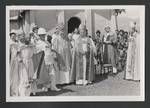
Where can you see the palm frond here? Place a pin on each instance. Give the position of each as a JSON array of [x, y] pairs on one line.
[[118, 11]]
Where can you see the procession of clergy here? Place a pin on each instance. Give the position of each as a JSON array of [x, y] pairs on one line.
[[39, 61]]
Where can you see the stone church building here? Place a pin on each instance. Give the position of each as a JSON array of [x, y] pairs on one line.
[[48, 19]]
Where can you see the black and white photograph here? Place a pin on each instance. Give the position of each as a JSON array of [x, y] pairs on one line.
[[75, 53]]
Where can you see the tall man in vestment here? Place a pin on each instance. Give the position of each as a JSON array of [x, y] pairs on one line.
[[61, 45], [133, 62], [83, 59], [110, 48]]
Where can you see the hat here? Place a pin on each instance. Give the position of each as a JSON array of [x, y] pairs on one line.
[[82, 27], [41, 31]]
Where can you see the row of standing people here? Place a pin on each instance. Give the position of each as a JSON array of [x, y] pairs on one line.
[[119, 51], [78, 68], [106, 51], [52, 60], [33, 58], [125, 52], [21, 65]]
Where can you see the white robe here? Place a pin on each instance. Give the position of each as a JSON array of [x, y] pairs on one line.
[[133, 62], [61, 46]]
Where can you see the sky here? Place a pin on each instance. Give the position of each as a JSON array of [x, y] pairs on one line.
[[131, 13]]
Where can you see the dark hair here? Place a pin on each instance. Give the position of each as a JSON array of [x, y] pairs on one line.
[[27, 42], [35, 28], [126, 32], [90, 36], [121, 30], [49, 38], [12, 34], [98, 31]]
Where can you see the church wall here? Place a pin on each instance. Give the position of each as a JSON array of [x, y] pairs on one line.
[[102, 18], [100, 22], [95, 19], [75, 13], [14, 25], [45, 18], [81, 16]]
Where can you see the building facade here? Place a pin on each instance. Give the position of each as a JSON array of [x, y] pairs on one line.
[[48, 19]]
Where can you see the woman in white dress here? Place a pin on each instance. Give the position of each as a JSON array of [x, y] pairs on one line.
[[14, 64], [132, 67], [26, 68]]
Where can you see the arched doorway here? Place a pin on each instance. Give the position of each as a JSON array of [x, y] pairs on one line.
[[73, 23]]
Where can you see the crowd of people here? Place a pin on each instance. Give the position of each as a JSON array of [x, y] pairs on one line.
[[40, 60]]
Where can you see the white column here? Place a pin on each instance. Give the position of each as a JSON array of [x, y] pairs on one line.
[[61, 19], [88, 20], [32, 18], [27, 22], [112, 22]]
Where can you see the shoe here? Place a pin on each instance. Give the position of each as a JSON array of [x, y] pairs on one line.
[[55, 89]]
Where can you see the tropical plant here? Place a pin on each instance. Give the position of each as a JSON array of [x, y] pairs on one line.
[[117, 12]]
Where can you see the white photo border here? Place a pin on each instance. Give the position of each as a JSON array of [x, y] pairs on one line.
[[79, 98]]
